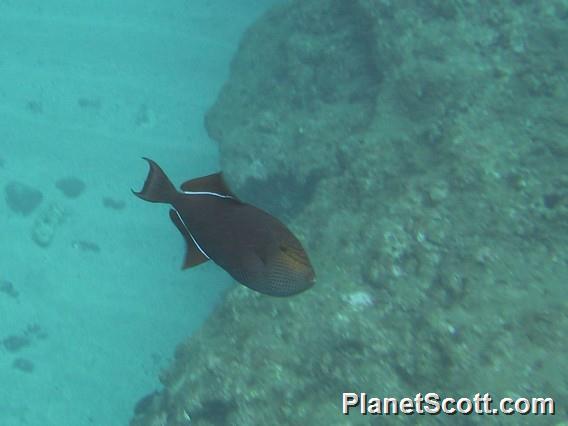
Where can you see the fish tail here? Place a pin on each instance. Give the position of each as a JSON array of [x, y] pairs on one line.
[[157, 188]]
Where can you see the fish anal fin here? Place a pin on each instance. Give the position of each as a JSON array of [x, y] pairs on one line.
[[193, 256], [210, 183]]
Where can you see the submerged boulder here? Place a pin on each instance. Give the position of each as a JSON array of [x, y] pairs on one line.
[[22, 198]]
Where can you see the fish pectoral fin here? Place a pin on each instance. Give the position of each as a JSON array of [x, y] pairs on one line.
[[210, 183], [193, 255]]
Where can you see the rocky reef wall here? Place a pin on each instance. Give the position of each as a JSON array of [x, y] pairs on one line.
[[419, 149]]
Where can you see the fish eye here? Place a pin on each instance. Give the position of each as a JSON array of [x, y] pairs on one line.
[[283, 248]]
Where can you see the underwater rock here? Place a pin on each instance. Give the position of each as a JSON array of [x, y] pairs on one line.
[[89, 103], [35, 331], [113, 204], [24, 365], [71, 186], [34, 106], [145, 117], [22, 198], [367, 121], [8, 288], [146, 402], [46, 224], [15, 343], [288, 137], [84, 245]]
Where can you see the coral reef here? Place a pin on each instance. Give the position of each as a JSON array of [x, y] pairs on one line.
[[419, 150]]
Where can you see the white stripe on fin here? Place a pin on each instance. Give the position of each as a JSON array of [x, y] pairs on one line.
[[207, 193], [189, 232]]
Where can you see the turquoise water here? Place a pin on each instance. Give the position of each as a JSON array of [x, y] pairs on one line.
[[93, 301], [417, 149]]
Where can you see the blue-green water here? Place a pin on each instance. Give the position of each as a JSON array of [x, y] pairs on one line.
[[417, 149], [86, 89]]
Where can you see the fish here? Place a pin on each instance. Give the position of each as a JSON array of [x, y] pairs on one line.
[[251, 245]]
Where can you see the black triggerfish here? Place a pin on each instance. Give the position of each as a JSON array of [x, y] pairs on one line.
[[255, 248]]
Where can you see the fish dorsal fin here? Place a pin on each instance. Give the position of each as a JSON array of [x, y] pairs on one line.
[[211, 183], [194, 255]]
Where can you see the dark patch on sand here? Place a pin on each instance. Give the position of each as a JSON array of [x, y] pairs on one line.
[[22, 198], [71, 186]]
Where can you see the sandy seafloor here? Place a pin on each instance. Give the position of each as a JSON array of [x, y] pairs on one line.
[[86, 89]]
